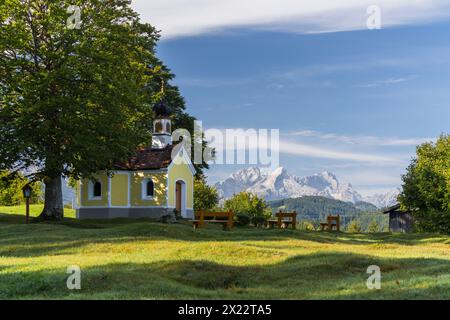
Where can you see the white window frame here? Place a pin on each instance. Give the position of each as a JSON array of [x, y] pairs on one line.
[[91, 190], [144, 189], [164, 123]]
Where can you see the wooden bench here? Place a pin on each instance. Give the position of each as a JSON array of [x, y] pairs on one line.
[[284, 219], [224, 218], [332, 222]]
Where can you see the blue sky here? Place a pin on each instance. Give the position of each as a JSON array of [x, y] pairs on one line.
[[346, 99]]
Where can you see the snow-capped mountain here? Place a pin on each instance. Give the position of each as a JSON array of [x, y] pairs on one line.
[[279, 184], [383, 200], [239, 181]]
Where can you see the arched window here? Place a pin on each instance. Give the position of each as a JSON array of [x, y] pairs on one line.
[[168, 127], [158, 127], [97, 190], [149, 188]]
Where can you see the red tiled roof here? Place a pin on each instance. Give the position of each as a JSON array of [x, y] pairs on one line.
[[148, 159]]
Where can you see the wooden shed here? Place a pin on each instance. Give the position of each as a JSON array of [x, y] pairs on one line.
[[399, 221]]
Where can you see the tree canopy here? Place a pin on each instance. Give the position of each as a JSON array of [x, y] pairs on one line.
[[426, 186], [75, 100]]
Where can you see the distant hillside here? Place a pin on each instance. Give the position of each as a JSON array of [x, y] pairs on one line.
[[314, 206], [366, 206]]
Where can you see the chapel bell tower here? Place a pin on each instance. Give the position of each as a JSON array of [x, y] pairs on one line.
[[162, 126]]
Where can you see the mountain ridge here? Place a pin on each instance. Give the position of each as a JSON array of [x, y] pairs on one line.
[[316, 206], [280, 184]]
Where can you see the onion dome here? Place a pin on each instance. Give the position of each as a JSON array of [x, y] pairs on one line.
[[161, 110]]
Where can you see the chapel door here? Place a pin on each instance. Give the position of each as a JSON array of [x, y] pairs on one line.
[[179, 195]]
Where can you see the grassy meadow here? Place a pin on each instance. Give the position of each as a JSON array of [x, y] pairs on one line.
[[142, 259], [35, 210]]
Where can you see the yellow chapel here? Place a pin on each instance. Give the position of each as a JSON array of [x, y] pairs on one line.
[[153, 183]]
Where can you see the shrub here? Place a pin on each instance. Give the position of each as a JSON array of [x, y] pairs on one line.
[[259, 221], [242, 219], [354, 227], [11, 184], [166, 218], [248, 203], [373, 227], [306, 225], [316, 225], [177, 214], [205, 197]]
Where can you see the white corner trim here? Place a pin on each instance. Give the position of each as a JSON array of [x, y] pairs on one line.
[[109, 191], [129, 189], [167, 189], [80, 195]]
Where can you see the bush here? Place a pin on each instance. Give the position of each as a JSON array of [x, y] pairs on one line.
[[166, 218], [11, 184], [242, 219], [177, 214], [306, 225], [205, 197], [316, 225], [354, 227], [248, 203], [373, 227], [259, 221]]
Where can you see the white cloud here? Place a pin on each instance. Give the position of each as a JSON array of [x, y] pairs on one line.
[[362, 140], [387, 82], [370, 191], [299, 149], [373, 178], [193, 17], [361, 64]]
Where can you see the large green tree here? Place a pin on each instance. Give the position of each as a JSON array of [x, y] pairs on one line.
[[76, 95], [426, 186]]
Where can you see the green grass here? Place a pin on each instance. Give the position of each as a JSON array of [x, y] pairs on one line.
[[35, 210], [141, 259]]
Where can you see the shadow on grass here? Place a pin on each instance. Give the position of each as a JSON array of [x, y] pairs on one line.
[[37, 239], [313, 276]]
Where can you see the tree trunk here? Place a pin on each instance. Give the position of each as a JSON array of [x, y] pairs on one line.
[[53, 205]]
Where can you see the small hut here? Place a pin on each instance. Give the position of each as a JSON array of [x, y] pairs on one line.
[[399, 220]]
